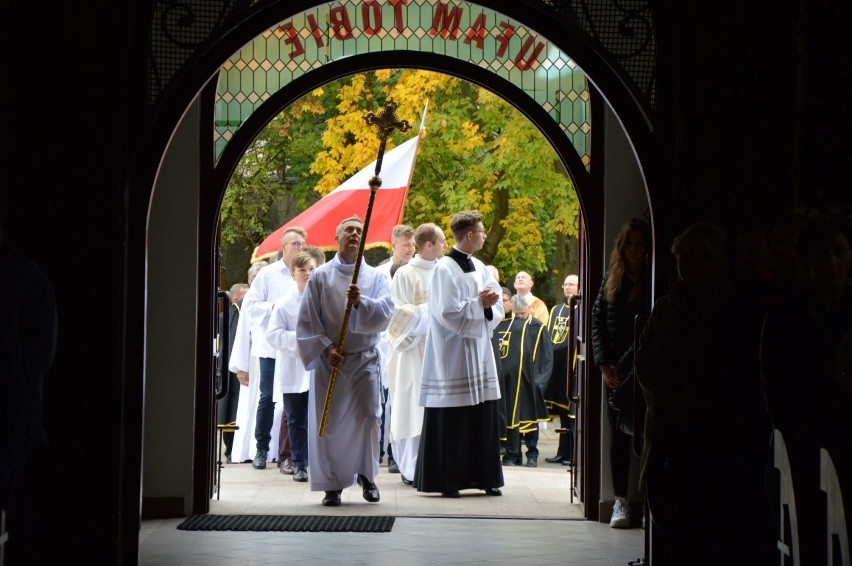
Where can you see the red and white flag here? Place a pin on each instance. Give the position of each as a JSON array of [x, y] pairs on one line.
[[322, 218]]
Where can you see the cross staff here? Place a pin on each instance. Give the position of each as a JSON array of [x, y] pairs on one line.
[[386, 123]]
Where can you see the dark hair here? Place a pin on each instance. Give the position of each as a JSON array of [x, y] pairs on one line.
[[462, 222], [317, 254]]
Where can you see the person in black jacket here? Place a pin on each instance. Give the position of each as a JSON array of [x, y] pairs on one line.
[[623, 296], [226, 408]]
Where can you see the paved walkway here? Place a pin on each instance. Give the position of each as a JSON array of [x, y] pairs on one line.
[[533, 522]]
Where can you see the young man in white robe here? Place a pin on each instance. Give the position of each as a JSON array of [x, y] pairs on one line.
[[407, 336], [289, 371], [459, 443], [402, 250], [348, 451]]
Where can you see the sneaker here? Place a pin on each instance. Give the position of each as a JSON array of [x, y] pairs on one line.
[[259, 462], [532, 461], [620, 514], [392, 467], [508, 461], [301, 474], [287, 468]]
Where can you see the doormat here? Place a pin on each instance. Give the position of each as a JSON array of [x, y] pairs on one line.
[[292, 523]]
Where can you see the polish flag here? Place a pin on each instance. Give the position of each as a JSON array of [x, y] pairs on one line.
[[322, 218]]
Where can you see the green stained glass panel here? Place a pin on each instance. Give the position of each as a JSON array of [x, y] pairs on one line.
[[337, 30]]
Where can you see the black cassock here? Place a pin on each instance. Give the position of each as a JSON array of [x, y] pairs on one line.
[[556, 395], [526, 359]]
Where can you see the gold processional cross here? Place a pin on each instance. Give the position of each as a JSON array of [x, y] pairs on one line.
[[386, 123]]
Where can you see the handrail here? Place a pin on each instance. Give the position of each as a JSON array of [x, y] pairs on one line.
[[572, 348], [222, 381], [639, 405]]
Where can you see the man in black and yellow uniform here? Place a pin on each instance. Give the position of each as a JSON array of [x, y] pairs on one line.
[[526, 358], [557, 397]]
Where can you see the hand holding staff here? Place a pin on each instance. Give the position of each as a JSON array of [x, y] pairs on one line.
[[386, 123]]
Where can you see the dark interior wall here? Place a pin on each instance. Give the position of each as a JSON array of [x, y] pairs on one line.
[[69, 130], [75, 109], [737, 125]]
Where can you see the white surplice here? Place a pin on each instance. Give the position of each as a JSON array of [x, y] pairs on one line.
[[407, 338], [458, 365], [244, 446], [243, 359], [281, 335], [350, 445]]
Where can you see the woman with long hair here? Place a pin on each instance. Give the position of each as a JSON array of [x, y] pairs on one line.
[[623, 295]]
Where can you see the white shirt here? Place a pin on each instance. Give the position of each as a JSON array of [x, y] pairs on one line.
[[281, 335], [272, 282]]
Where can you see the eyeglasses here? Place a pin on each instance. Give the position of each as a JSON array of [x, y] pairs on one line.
[[297, 244]]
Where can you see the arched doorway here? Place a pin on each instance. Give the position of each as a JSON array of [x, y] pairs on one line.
[[188, 173]]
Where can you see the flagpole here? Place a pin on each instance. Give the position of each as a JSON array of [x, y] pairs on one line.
[[420, 135], [386, 123]]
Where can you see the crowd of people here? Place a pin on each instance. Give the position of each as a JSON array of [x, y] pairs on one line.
[[451, 375], [425, 349]]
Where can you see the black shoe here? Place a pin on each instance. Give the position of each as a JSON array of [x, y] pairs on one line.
[[532, 462], [567, 462], [371, 492], [452, 494], [259, 461], [493, 491], [331, 499], [392, 467], [508, 461], [405, 480], [555, 460]]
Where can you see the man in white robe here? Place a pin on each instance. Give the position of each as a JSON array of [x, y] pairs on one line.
[[407, 335], [402, 250], [272, 282], [243, 448], [349, 449], [459, 443]]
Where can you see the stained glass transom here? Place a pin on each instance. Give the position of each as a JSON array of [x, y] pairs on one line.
[[460, 30]]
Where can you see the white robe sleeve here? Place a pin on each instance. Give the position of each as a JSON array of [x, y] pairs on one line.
[[278, 333], [375, 308], [454, 301], [239, 360], [409, 320]]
